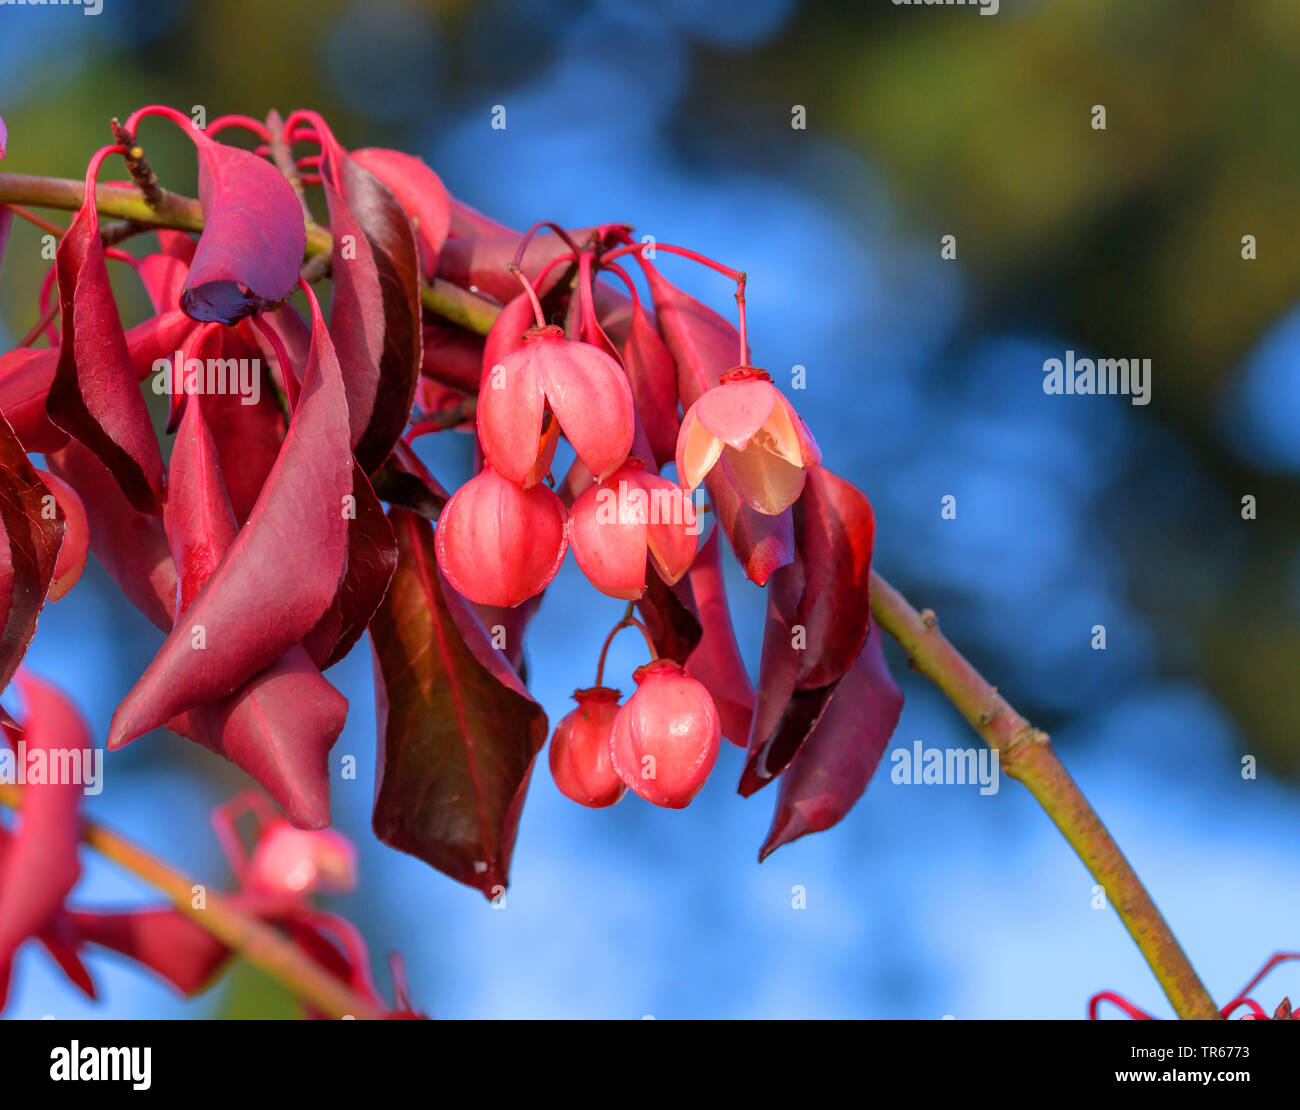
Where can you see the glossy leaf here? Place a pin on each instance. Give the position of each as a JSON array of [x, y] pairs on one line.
[[130, 545], [30, 540], [279, 728], [716, 660], [653, 374], [452, 356], [375, 313], [458, 732], [253, 235], [405, 481], [292, 550], [421, 194], [372, 559], [95, 396], [831, 770], [817, 619]]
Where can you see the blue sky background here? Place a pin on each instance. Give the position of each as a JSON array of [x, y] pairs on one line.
[[925, 901]]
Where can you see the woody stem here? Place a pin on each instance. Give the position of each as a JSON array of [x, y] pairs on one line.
[[1025, 753], [257, 942]]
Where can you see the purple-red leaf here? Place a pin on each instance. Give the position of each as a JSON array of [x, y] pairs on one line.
[[670, 617], [372, 559], [291, 552], [253, 235], [421, 194], [653, 374], [716, 660], [405, 481], [30, 538], [458, 733], [704, 347], [832, 768], [452, 356], [130, 545], [40, 863], [375, 313], [95, 395], [278, 728], [818, 614]]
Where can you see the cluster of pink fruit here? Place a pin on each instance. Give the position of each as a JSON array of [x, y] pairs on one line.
[[503, 535]]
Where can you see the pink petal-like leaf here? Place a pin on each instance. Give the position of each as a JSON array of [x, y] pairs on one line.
[[453, 356]]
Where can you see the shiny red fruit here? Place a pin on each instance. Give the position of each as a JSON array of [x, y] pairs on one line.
[[580, 759], [616, 523], [500, 544], [665, 739]]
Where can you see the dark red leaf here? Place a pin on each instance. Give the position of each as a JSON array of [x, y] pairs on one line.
[[248, 437], [40, 863], [291, 552], [817, 618], [253, 235], [704, 347], [404, 481], [95, 396], [130, 545], [653, 374], [375, 313], [458, 732], [479, 264], [30, 540], [372, 559], [831, 770], [452, 356], [716, 660], [421, 194], [669, 615]]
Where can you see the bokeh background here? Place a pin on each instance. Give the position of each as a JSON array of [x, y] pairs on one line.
[[924, 380]]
